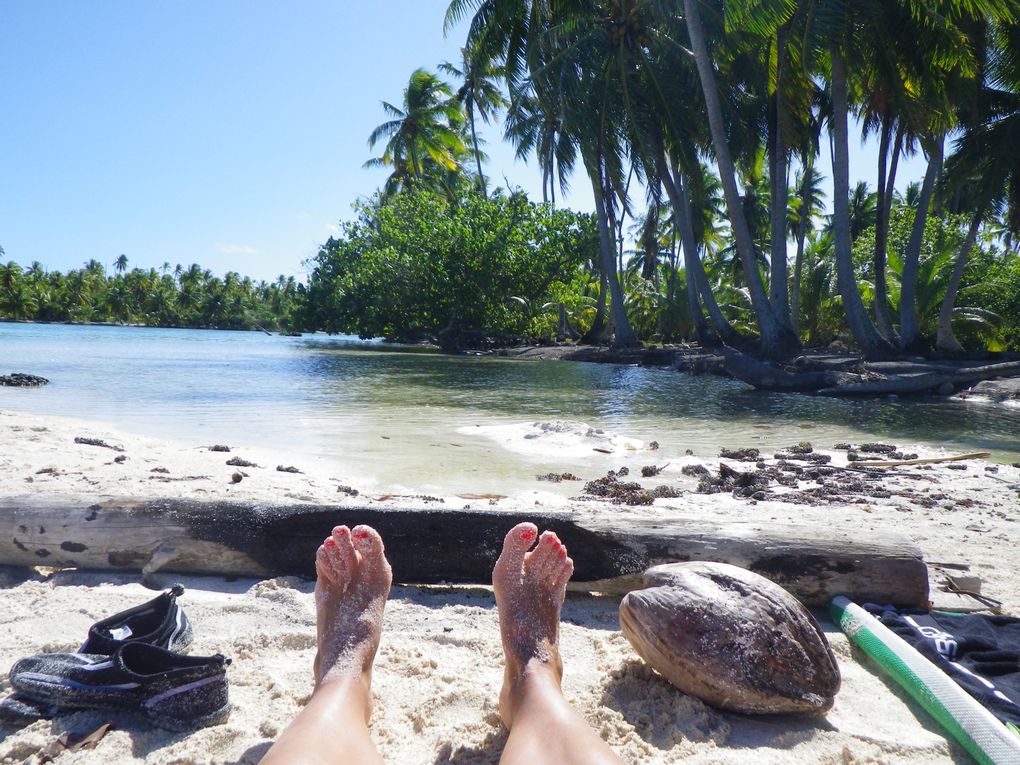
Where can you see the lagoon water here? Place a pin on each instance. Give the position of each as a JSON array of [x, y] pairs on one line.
[[401, 418]]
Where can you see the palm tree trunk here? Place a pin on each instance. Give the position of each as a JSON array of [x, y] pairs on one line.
[[890, 187], [682, 222], [798, 267], [945, 340], [697, 280], [909, 332], [596, 333], [550, 170], [415, 166], [863, 330], [776, 340], [779, 283], [882, 318], [478, 154], [624, 336]]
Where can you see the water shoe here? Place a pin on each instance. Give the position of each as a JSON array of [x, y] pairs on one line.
[[171, 690], [159, 622]]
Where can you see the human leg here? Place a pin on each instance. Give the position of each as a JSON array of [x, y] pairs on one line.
[[530, 588], [353, 582]]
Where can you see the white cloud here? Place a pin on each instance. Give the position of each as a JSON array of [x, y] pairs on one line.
[[235, 249]]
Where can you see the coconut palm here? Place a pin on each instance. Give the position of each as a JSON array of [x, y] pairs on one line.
[[562, 55], [809, 205], [776, 336], [983, 173], [478, 94], [534, 128], [946, 79], [424, 134]]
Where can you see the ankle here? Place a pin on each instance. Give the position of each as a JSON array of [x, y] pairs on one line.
[[346, 689], [537, 680]]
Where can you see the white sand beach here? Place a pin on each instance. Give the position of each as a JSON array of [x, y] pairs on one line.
[[439, 666]]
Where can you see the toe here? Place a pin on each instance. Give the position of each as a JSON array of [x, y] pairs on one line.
[[339, 547], [369, 544], [553, 566], [324, 568], [566, 569], [544, 551], [516, 543]]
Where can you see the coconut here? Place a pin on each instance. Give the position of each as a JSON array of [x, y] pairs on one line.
[[732, 638]]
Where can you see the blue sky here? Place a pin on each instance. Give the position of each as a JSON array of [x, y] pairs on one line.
[[230, 134]]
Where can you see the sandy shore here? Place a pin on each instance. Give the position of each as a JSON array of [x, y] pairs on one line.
[[439, 667]]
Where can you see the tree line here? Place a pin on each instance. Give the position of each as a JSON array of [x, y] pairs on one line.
[[168, 297]]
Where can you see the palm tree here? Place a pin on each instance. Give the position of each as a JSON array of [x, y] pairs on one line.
[[777, 338], [536, 128], [561, 57], [863, 330], [120, 264], [478, 94], [863, 207], [425, 134], [946, 78], [808, 206], [984, 170]]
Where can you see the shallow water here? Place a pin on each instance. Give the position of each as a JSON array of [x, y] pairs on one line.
[[435, 422]]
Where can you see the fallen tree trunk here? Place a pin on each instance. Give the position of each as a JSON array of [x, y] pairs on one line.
[[867, 382], [435, 546], [771, 377]]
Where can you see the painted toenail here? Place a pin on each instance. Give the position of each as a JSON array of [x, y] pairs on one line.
[[361, 535], [527, 535], [341, 532], [331, 542], [563, 552]]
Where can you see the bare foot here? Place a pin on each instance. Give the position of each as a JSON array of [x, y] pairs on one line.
[[530, 588], [353, 583]]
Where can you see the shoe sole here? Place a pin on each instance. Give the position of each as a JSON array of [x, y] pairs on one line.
[[42, 688]]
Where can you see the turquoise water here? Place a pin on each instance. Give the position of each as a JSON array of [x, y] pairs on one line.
[[407, 418]]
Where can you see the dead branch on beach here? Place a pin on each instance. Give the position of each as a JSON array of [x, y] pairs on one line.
[[926, 461], [859, 378]]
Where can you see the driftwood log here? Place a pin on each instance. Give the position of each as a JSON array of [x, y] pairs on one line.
[[435, 546], [860, 379]]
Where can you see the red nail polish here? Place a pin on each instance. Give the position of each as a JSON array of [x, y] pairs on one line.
[[527, 535], [361, 535], [341, 532], [331, 542], [563, 552]]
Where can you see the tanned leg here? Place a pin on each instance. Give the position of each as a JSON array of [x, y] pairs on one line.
[[350, 593], [530, 588]]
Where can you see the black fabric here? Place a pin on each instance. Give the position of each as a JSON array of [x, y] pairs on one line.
[[980, 652]]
